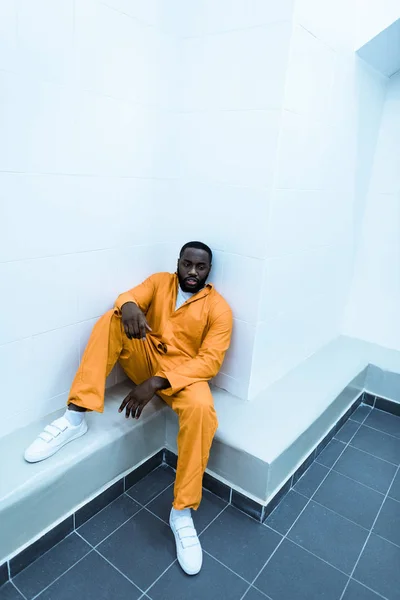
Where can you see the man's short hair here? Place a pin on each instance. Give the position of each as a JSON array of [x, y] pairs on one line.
[[198, 246]]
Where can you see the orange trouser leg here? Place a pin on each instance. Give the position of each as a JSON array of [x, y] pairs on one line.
[[107, 345], [197, 426]]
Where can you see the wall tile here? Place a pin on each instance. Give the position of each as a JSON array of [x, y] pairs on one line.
[[237, 387], [223, 71], [311, 156], [39, 132], [331, 22], [309, 76], [303, 219], [115, 54], [239, 14], [55, 361], [16, 358], [147, 12], [45, 38], [43, 296], [293, 280], [122, 146], [236, 147], [242, 281], [8, 34], [238, 361]]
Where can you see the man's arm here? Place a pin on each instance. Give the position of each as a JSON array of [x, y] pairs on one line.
[[208, 361], [141, 295]]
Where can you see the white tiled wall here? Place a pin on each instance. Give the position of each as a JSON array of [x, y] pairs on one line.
[[372, 311], [323, 159], [84, 88]]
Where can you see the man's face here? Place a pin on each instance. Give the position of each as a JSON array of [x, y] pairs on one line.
[[193, 269]]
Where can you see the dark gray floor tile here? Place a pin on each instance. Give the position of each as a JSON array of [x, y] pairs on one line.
[[377, 443], [366, 469], [254, 594], [153, 484], [295, 573], [331, 453], [3, 574], [106, 521], [361, 413], [384, 422], [240, 542], [8, 592], [97, 504], [142, 548], [51, 565], [42, 545], [311, 480], [330, 536], [214, 582], [347, 431], [92, 578], [209, 508], [379, 568], [356, 591], [394, 491], [350, 499], [287, 511], [388, 522]]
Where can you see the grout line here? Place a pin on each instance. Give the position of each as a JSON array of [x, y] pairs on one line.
[[226, 566], [156, 516], [381, 431], [18, 590], [104, 508], [116, 529], [62, 574], [386, 539], [159, 577], [155, 497], [262, 593], [368, 588], [359, 482], [339, 515], [374, 455], [369, 535], [210, 523], [120, 572]]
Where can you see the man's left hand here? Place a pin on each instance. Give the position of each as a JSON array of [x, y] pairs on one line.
[[137, 399]]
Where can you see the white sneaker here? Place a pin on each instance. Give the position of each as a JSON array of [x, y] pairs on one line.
[[52, 438], [188, 548]]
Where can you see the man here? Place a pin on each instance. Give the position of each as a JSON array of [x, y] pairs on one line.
[[170, 335]]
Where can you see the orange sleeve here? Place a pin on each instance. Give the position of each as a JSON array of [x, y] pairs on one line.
[[141, 295], [209, 359]]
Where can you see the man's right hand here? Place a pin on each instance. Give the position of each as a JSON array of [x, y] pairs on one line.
[[134, 321]]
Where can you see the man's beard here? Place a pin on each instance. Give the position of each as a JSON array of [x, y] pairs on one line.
[[191, 289]]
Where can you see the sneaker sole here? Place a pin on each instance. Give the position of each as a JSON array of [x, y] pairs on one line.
[[184, 569], [55, 450]]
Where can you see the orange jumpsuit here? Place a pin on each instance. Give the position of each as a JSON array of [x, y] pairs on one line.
[[186, 346]]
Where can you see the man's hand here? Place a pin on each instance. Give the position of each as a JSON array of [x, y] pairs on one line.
[[137, 399], [134, 321]]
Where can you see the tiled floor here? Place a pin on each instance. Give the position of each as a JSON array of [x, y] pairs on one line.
[[336, 535]]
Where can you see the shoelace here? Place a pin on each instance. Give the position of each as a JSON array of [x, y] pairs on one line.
[[53, 430], [186, 532]]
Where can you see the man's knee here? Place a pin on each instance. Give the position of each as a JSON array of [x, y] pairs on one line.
[[198, 399]]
